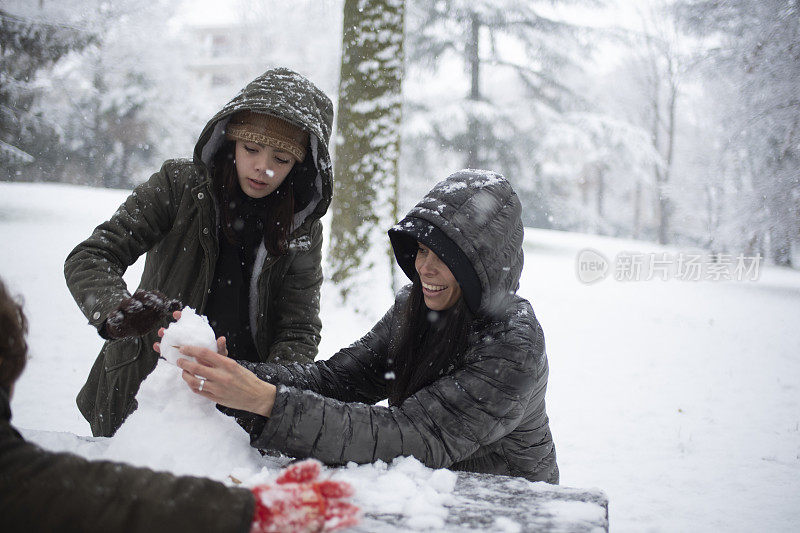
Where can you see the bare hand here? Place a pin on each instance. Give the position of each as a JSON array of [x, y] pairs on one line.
[[225, 382]]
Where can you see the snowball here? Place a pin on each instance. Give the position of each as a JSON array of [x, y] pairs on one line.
[[506, 525], [443, 480], [191, 330]]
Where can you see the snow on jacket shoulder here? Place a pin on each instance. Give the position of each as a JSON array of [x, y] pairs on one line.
[[487, 415]]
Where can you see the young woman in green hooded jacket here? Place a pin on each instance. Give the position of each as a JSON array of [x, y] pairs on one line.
[[233, 233]]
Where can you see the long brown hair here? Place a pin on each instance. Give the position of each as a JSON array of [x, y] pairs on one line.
[[279, 205], [13, 347], [422, 355]]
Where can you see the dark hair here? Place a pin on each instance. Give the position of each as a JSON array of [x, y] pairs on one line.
[[13, 347], [280, 205], [431, 344]]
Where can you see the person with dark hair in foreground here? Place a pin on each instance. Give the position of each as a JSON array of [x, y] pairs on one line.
[[44, 491], [460, 356]]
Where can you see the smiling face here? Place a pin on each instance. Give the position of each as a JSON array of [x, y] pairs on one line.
[[261, 169], [439, 287]]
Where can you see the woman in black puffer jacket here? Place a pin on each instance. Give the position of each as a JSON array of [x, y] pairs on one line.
[[460, 355]]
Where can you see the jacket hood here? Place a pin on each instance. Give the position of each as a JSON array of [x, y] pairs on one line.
[[283, 93], [479, 212]]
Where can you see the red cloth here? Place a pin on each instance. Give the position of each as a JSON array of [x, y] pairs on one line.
[[299, 502]]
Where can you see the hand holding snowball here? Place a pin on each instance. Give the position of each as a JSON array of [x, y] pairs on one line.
[[138, 314], [208, 371], [226, 382], [189, 329], [222, 345]]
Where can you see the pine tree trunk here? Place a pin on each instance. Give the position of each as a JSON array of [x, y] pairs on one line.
[[637, 210], [665, 202], [367, 142], [780, 245], [473, 123], [601, 191]]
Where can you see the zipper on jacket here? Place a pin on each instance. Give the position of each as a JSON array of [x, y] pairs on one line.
[[207, 233], [265, 267]]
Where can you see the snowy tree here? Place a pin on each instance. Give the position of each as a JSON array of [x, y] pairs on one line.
[[26, 47], [513, 57], [757, 42], [367, 141], [101, 103], [654, 67], [661, 65], [107, 129], [595, 163], [112, 98]]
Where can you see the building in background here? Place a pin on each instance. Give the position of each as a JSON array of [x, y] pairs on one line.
[[219, 63], [223, 47]]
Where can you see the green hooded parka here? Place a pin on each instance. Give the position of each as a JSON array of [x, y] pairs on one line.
[[174, 219]]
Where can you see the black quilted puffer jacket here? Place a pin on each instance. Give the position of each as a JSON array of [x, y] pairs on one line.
[[486, 415]]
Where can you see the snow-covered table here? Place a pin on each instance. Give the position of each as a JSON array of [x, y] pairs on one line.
[[485, 502], [401, 496], [177, 431]]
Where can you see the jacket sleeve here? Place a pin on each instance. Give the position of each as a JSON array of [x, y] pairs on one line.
[[297, 322], [441, 424], [45, 491], [94, 268], [354, 374]]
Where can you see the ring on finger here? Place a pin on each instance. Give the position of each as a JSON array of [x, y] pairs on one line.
[[202, 384]]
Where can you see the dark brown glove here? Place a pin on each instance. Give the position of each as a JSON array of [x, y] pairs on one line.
[[139, 314]]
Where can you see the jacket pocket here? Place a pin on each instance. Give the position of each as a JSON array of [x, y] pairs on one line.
[[122, 352], [108, 395]]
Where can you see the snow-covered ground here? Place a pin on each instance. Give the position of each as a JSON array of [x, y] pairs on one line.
[[679, 399]]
